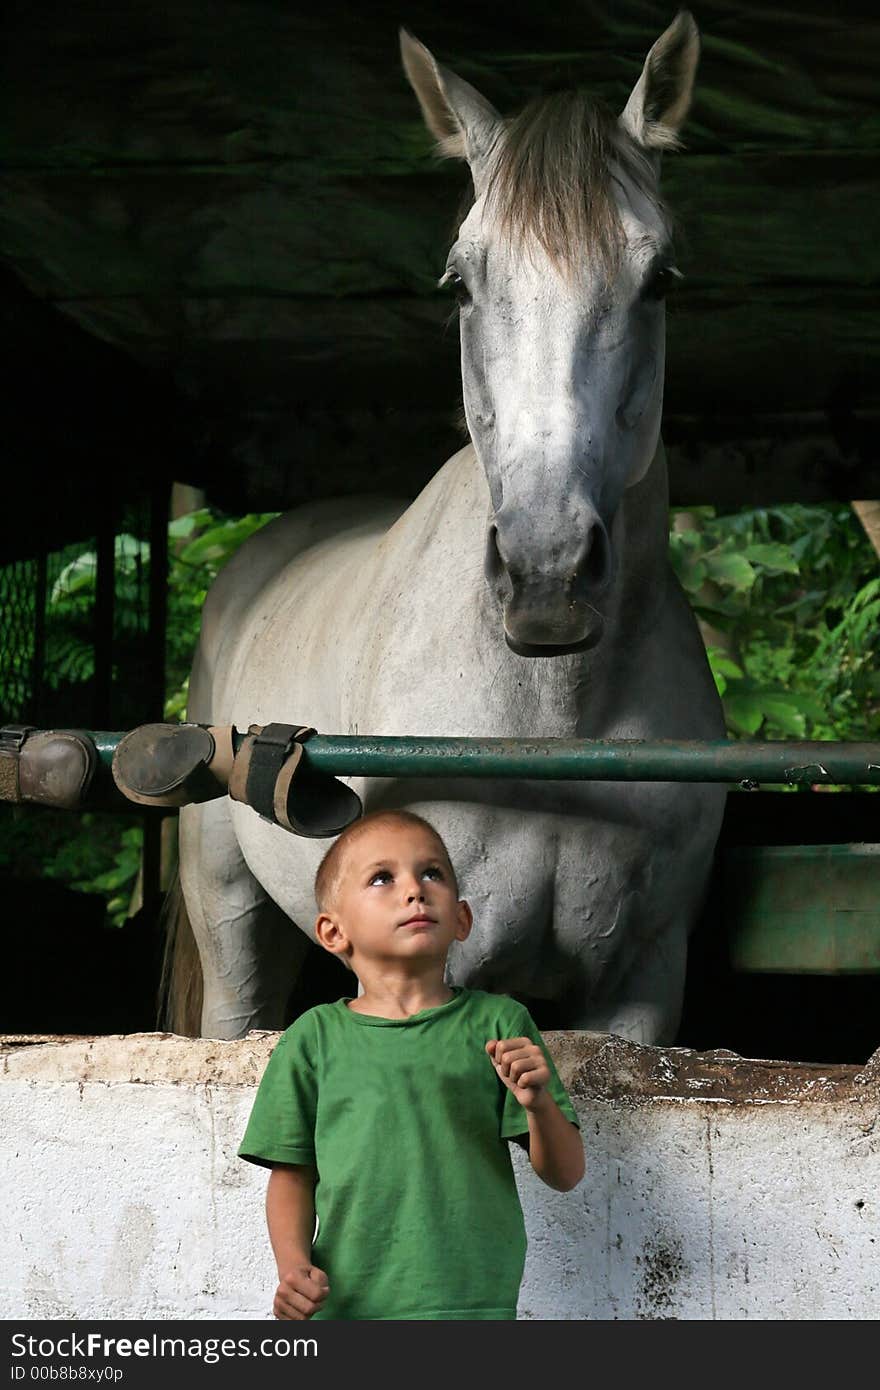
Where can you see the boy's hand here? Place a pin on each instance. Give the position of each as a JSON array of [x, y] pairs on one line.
[[520, 1064], [300, 1293]]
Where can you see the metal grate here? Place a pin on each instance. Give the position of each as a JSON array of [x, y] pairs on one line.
[[19, 604], [62, 657]]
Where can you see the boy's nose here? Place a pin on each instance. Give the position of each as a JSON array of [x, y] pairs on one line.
[[415, 894]]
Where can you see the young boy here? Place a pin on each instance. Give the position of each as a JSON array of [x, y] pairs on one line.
[[387, 1115]]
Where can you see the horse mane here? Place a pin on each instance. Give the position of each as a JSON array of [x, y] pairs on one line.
[[551, 179]]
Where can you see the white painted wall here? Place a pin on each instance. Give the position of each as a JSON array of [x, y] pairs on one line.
[[123, 1197]]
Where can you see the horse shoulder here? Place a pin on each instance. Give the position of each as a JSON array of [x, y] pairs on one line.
[[256, 566]]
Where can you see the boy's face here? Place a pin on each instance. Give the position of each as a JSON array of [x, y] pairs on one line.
[[395, 899]]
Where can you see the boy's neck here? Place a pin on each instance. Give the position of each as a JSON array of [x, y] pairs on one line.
[[388, 994]]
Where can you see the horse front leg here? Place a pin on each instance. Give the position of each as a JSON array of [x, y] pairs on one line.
[[645, 1005], [251, 953]]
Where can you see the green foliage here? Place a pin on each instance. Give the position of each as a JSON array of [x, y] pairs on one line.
[[70, 652], [117, 882], [200, 545], [103, 854], [795, 594], [36, 841]]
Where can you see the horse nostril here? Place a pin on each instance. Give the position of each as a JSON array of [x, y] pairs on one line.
[[595, 572], [494, 558], [496, 566]]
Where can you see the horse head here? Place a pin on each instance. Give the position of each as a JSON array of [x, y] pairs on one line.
[[560, 268]]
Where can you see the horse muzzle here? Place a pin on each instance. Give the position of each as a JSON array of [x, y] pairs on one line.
[[557, 611], [538, 623]]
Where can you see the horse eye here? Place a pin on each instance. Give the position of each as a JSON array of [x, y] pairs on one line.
[[453, 281], [661, 282]]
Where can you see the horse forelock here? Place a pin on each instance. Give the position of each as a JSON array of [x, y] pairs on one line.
[[551, 180]]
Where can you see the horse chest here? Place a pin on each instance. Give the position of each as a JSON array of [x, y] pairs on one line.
[[567, 879]]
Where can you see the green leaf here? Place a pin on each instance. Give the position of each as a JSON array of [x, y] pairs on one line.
[[126, 547], [79, 575], [183, 526], [728, 567], [744, 712], [728, 607], [774, 556], [723, 664], [785, 713], [222, 539], [690, 572], [810, 705], [693, 577]]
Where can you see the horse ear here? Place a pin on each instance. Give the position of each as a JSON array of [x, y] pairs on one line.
[[660, 99], [466, 124]]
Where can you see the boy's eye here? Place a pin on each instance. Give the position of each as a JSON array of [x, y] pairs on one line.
[[386, 876]]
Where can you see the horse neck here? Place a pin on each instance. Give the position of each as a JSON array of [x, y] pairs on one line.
[[641, 544]]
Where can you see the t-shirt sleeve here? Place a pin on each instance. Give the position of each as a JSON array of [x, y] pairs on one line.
[[514, 1118], [281, 1128]]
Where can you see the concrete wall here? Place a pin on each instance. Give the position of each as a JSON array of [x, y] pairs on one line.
[[716, 1187]]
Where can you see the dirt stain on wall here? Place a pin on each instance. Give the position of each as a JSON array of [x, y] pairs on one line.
[[662, 1266]]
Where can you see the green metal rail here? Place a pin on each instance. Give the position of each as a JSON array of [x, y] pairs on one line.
[[620, 760], [794, 909]]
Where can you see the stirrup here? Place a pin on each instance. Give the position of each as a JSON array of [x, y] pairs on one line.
[[270, 775], [174, 764], [52, 767]]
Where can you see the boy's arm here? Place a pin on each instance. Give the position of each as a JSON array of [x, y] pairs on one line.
[[290, 1215], [556, 1151]]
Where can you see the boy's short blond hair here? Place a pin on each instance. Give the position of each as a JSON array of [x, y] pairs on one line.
[[331, 866]]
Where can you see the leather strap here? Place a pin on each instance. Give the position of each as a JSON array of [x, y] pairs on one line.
[[281, 794], [270, 775], [12, 736], [259, 763]]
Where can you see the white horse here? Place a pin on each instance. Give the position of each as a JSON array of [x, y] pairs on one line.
[[526, 592]]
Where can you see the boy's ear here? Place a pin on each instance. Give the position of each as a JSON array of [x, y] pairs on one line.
[[331, 936], [465, 921]]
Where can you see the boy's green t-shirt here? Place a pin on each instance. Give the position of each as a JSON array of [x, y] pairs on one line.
[[406, 1122]]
